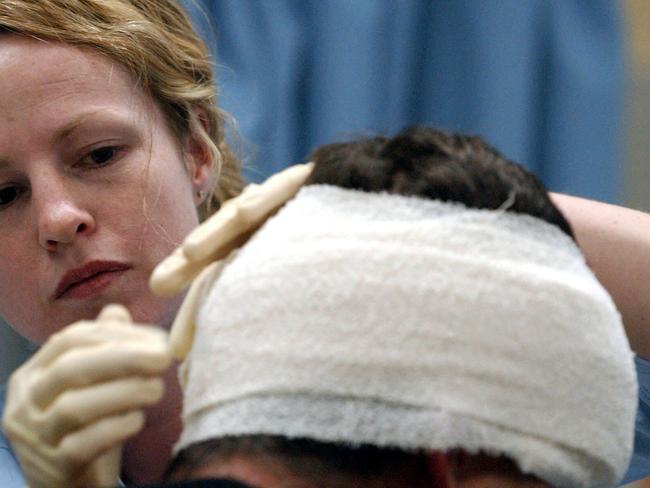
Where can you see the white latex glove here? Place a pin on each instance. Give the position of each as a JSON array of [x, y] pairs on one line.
[[74, 403], [203, 250], [228, 229]]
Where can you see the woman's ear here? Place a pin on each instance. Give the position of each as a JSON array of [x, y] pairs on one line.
[[200, 155]]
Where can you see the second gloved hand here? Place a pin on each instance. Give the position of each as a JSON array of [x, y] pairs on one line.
[[74, 403]]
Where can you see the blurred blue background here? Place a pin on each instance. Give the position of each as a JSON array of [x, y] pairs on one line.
[[541, 80]]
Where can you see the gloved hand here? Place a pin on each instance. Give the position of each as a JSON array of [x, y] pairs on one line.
[[228, 229], [204, 248], [74, 403]]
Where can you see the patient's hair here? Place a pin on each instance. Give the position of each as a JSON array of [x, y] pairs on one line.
[[423, 162], [429, 163]]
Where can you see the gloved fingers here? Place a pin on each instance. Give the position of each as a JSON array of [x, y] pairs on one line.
[[181, 335], [244, 213], [228, 229], [274, 192], [174, 273], [88, 457], [208, 240], [78, 407], [104, 471], [41, 472], [100, 363], [80, 375], [114, 313], [72, 341], [87, 333], [82, 447], [177, 271]]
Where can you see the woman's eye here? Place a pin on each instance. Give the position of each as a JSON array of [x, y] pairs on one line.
[[8, 195], [102, 155]]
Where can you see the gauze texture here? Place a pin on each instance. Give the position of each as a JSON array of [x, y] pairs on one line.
[[405, 322]]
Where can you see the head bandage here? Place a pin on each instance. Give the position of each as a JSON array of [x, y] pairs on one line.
[[405, 322]]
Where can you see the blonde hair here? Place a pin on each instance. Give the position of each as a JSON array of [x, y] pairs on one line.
[[155, 42]]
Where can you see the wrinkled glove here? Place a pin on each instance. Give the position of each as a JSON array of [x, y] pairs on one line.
[[81, 396], [203, 250]]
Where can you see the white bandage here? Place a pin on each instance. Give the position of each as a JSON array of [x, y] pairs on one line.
[[405, 322]]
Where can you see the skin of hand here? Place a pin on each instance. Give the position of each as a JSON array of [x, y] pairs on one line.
[[202, 254], [72, 405], [615, 241]]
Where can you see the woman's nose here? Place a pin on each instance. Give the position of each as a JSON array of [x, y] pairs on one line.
[[61, 220]]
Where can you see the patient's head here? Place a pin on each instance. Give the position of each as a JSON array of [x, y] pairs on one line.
[[419, 315], [429, 163]]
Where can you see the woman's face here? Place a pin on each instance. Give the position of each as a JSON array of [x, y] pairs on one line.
[[94, 188]]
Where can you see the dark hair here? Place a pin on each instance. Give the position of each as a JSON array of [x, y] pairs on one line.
[[328, 465], [425, 162]]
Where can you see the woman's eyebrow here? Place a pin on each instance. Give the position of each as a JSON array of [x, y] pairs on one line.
[[65, 131], [68, 128]]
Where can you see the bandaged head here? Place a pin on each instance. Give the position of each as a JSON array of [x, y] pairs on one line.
[[398, 321]]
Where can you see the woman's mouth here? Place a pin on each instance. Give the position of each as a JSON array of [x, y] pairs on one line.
[[90, 279]]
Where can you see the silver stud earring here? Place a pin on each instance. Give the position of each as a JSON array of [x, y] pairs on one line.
[[200, 194]]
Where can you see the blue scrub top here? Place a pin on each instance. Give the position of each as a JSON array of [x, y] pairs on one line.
[[10, 473]]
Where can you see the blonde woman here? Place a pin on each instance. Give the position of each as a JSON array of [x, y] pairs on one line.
[[112, 148]]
